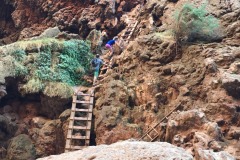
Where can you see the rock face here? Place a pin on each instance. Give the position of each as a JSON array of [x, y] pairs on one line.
[[148, 79], [21, 148], [7, 128], [49, 139], [151, 78], [127, 150], [206, 154], [25, 19]]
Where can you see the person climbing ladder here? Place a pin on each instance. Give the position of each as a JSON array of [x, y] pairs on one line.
[[109, 46], [96, 64]]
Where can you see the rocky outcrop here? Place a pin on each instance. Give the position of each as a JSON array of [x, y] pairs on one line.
[[23, 120], [49, 139], [127, 150], [48, 33], [26, 19], [148, 79], [21, 148], [207, 154], [7, 128]]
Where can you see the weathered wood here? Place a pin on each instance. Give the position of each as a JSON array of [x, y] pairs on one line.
[[82, 110], [153, 128], [88, 119]]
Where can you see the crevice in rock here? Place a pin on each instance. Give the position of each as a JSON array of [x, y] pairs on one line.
[[237, 108], [6, 9], [12, 91], [93, 133]]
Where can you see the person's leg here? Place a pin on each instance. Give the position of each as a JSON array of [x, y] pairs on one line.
[[96, 73], [111, 49]]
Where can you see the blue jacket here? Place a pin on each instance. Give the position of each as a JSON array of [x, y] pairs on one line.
[[99, 63], [111, 42]]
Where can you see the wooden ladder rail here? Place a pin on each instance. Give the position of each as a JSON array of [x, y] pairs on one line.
[[88, 119], [89, 122], [130, 34], [153, 128], [136, 19], [132, 31]]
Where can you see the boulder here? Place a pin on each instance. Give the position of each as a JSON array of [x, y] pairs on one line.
[[38, 122], [49, 139], [210, 155], [7, 128], [233, 133], [127, 150], [65, 115], [96, 40], [184, 121], [21, 148], [231, 83], [48, 33]]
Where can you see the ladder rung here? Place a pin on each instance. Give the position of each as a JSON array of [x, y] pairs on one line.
[[131, 24], [149, 137], [82, 110], [77, 137], [83, 102], [154, 130], [154, 137], [83, 94], [82, 118], [81, 127]]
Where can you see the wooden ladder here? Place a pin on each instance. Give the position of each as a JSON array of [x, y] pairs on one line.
[[130, 30], [152, 133], [131, 27], [78, 135]]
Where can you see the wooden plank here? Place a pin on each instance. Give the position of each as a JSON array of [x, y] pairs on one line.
[[132, 24], [89, 118], [92, 92], [87, 128], [87, 141], [74, 97], [68, 143], [83, 94], [155, 130], [88, 132], [79, 137], [149, 136], [69, 134], [72, 115], [81, 127], [74, 106], [154, 137], [91, 103], [70, 125], [82, 102], [82, 110], [148, 131]]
